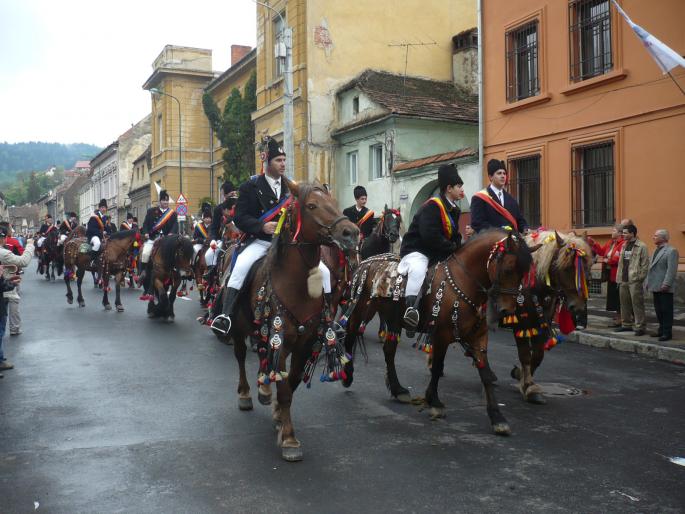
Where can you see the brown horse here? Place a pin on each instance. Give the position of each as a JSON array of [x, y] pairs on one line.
[[199, 270], [283, 295], [489, 266], [562, 264], [51, 264], [342, 266], [384, 235], [171, 259], [113, 260]]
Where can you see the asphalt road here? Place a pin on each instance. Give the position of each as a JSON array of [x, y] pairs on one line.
[[110, 412]]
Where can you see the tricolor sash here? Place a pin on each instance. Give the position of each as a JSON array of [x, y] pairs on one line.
[[202, 230], [126, 225], [274, 211], [448, 224], [483, 195], [163, 220], [99, 220], [369, 214]]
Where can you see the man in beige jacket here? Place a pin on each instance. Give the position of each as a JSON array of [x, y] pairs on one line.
[[633, 266]]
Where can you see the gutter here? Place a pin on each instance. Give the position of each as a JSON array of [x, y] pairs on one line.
[[479, 14]]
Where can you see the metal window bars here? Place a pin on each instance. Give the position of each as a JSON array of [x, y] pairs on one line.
[[593, 185], [522, 62], [525, 187], [589, 39]]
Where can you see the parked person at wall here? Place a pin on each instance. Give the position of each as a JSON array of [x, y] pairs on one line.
[[632, 270], [7, 283], [661, 283], [608, 255]]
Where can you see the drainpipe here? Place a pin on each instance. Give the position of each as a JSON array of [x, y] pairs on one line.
[[479, 14]]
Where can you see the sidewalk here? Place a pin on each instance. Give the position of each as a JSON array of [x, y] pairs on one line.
[[599, 335]]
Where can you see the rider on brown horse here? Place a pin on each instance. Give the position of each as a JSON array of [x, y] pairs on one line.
[[223, 217], [201, 232], [67, 226], [96, 229], [432, 236]]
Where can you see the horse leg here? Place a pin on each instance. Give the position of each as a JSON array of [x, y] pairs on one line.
[[175, 283], [105, 292], [79, 280], [389, 350], [530, 391], [440, 343], [117, 280], [240, 352], [67, 281], [291, 449]]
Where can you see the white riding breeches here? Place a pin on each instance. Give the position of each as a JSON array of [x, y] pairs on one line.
[[62, 238], [147, 250], [415, 265], [95, 242], [212, 254], [196, 250], [326, 277], [39, 243]]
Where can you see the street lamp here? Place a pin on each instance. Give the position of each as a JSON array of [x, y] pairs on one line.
[[156, 91]]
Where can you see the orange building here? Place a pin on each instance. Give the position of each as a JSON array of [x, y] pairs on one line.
[[590, 128]]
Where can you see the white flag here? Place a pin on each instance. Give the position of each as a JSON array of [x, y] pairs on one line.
[[665, 57], [159, 190]]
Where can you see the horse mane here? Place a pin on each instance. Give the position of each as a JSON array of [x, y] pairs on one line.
[[546, 258], [168, 246], [122, 234], [524, 258]]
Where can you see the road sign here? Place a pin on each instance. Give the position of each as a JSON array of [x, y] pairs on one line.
[[181, 199], [181, 218], [181, 210]]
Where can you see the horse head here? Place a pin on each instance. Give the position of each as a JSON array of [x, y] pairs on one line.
[[391, 220], [316, 218], [571, 272], [508, 264]]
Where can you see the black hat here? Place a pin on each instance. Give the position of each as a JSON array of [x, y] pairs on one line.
[[227, 187], [273, 149], [72, 215], [494, 165], [129, 215], [103, 203], [359, 191], [3, 231], [207, 213], [448, 176], [163, 195], [48, 215], [206, 206]]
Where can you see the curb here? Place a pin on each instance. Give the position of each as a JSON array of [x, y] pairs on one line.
[[653, 351]]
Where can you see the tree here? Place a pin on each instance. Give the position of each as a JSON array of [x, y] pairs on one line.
[[33, 190], [235, 129]]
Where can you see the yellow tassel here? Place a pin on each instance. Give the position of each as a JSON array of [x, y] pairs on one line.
[[281, 220]]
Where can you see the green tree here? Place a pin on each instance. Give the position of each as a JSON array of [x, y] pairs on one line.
[[235, 130], [33, 189]]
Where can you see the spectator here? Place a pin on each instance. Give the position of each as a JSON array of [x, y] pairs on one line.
[[608, 256], [14, 295], [7, 283], [661, 283], [8, 257], [632, 270]]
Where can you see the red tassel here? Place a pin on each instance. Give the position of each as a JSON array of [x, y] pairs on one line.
[[566, 323]]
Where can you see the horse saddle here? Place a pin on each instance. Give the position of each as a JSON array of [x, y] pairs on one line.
[[85, 248]]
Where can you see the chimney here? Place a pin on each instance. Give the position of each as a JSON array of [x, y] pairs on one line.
[[238, 52], [465, 60]]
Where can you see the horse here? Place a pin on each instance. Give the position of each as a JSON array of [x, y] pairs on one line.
[[488, 267], [112, 257], [342, 266], [283, 299], [171, 263], [562, 264], [384, 235], [50, 259], [204, 288]]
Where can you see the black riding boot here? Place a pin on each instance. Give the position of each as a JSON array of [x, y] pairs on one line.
[[208, 274], [411, 315], [222, 323]]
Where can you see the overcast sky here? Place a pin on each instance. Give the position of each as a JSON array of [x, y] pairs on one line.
[[71, 71]]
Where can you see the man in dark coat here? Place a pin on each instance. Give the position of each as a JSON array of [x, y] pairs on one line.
[[359, 214], [67, 226], [159, 221], [493, 207], [95, 229], [128, 224], [432, 236], [220, 218]]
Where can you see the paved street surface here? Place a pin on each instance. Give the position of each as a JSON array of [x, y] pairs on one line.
[[110, 412]]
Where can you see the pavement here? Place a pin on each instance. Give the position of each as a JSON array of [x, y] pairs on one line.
[[109, 412]]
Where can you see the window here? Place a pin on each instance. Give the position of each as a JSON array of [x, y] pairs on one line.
[[522, 62], [525, 187], [160, 133], [352, 158], [375, 162], [593, 185], [279, 45], [355, 105], [590, 39]]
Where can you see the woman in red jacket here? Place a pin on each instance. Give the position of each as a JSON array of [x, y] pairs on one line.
[[609, 255]]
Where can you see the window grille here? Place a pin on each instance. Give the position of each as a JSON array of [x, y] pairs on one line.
[[525, 187], [375, 162], [594, 286], [593, 185], [590, 39], [352, 158], [279, 41], [522, 62]]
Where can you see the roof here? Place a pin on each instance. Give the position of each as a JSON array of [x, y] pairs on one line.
[[242, 63], [82, 164], [414, 96], [434, 159]]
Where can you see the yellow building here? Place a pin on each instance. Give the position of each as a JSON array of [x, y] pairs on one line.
[[335, 41]]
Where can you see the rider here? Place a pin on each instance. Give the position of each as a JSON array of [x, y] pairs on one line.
[[66, 227], [222, 216], [493, 207], [45, 229], [432, 236], [128, 224], [360, 214], [256, 214], [95, 230], [158, 221], [202, 232]]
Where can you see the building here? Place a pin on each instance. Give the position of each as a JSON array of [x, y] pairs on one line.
[[25, 219], [104, 180], [333, 42], [4, 212], [588, 124], [140, 193], [132, 144], [392, 134]]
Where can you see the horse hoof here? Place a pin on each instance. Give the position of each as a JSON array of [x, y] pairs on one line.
[[437, 413], [70, 301], [245, 403], [120, 308], [292, 454], [515, 373], [81, 304], [501, 428], [264, 399], [536, 398], [347, 382], [108, 307], [403, 397]]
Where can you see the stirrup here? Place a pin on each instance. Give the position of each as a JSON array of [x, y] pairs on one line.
[[216, 328], [411, 317]]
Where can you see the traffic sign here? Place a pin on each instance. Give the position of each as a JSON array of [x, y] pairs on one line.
[[181, 199], [181, 210]]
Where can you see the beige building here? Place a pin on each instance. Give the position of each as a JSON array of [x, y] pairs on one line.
[[140, 192]]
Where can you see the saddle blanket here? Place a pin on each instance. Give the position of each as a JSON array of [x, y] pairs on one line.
[[386, 280], [84, 248]]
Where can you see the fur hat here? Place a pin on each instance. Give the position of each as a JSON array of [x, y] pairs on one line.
[[163, 195], [227, 187], [494, 165], [72, 215], [273, 149], [103, 203], [359, 191], [207, 213], [448, 176], [129, 215], [3, 231]]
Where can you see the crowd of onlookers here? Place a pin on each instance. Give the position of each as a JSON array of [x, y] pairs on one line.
[[629, 272]]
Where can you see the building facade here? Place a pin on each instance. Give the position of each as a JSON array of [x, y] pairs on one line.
[[140, 193], [583, 116]]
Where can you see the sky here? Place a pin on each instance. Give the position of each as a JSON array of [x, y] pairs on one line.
[[71, 71]]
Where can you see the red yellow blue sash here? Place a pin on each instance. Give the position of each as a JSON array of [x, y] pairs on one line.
[[448, 225], [275, 210], [483, 195], [369, 214], [202, 230], [163, 220]]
